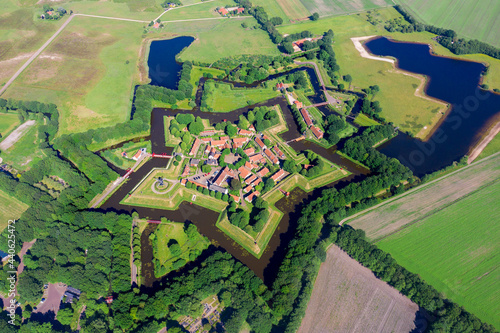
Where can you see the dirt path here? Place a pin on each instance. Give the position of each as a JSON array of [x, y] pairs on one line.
[[16, 135], [480, 147], [364, 53], [111, 18], [36, 54]]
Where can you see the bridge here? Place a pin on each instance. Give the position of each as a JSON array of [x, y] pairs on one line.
[[161, 155], [315, 105]]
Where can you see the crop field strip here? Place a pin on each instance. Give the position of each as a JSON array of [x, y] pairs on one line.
[[469, 18], [294, 9], [456, 250], [414, 206], [347, 297], [340, 7]]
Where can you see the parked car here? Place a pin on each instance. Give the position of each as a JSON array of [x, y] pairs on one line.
[[42, 301]]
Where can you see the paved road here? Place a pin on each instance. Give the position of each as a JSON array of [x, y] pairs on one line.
[[36, 54]]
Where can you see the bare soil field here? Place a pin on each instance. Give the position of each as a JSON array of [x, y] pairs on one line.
[[415, 205], [347, 297]]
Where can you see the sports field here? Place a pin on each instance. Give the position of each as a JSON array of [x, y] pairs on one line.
[[447, 232], [476, 19], [340, 7], [397, 91], [347, 297], [10, 209]]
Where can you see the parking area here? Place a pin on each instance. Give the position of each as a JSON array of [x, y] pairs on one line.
[[203, 178], [52, 295]]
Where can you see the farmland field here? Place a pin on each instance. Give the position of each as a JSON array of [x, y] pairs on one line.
[[447, 232], [347, 297], [11, 209], [469, 18], [273, 9], [340, 7], [294, 9]]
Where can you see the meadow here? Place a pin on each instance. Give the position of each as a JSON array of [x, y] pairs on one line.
[[203, 10], [10, 209], [88, 71], [397, 91], [8, 122], [273, 9], [172, 232], [294, 9], [338, 7], [24, 152], [456, 251], [469, 18], [224, 98], [347, 297], [364, 120]]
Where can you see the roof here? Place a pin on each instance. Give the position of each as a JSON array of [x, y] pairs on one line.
[[306, 117], [205, 133], [156, 25], [244, 172], [256, 158], [223, 11], [250, 179], [250, 166], [278, 152], [235, 197], [252, 196], [262, 172], [249, 151], [280, 86], [222, 176], [183, 182], [137, 155], [256, 182], [271, 156], [248, 188], [206, 140], [299, 104], [251, 128], [240, 141], [194, 161], [216, 188], [198, 184], [186, 171], [260, 143], [278, 175], [240, 10], [218, 143], [317, 132], [245, 132], [195, 146], [224, 138]]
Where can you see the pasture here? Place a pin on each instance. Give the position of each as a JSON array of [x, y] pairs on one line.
[[202, 10], [224, 98], [273, 8], [456, 250], [397, 94], [10, 209], [25, 152], [469, 18], [8, 122], [218, 39], [347, 297], [294, 9], [88, 71], [339, 7]]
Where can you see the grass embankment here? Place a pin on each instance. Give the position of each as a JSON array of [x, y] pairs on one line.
[[88, 71], [25, 152], [11, 209], [170, 140], [172, 232], [364, 120], [492, 148], [8, 122], [115, 155], [223, 38], [225, 98], [397, 91], [469, 18]]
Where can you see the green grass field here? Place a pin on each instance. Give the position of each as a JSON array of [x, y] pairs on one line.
[[492, 147], [8, 122], [145, 10], [294, 9], [225, 99], [24, 152], [202, 10], [397, 93], [469, 18], [364, 120], [456, 250], [197, 73], [88, 71], [10, 209], [272, 8], [191, 248], [223, 38], [338, 7]]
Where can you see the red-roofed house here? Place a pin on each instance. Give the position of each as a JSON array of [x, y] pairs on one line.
[[223, 11], [252, 196], [186, 171], [183, 182], [206, 140], [198, 184], [279, 152], [250, 166], [317, 132], [156, 25], [239, 142], [260, 143], [298, 104], [250, 179], [207, 133], [306, 117], [249, 151], [257, 158], [278, 175], [244, 172], [218, 143], [251, 128], [195, 147], [271, 156], [137, 155], [235, 197], [256, 182], [262, 172], [225, 138], [222, 176], [247, 189], [240, 10], [245, 132], [280, 86]]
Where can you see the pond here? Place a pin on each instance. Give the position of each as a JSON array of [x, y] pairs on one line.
[[453, 81]]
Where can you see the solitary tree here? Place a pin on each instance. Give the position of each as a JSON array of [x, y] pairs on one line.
[[315, 17], [348, 79]]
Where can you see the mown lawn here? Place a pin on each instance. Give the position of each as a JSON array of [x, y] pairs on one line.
[[456, 251], [364, 120], [476, 19], [396, 96], [225, 99], [10, 209], [8, 122], [88, 71]]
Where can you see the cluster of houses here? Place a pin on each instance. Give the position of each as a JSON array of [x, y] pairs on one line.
[[307, 119], [251, 173], [230, 10]]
